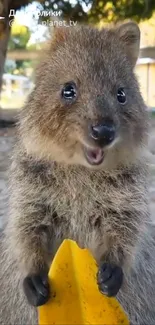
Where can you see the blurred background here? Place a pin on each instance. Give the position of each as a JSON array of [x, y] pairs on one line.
[[24, 26], [24, 29]]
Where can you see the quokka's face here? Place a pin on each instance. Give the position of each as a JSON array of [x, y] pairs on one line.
[[87, 108]]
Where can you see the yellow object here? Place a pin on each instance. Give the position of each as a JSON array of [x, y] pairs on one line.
[[75, 295]]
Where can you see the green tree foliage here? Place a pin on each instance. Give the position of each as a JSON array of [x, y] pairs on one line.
[[19, 37], [97, 10], [117, 10]]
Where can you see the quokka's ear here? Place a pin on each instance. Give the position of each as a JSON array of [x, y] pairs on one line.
[[129, 34], [59, 32]]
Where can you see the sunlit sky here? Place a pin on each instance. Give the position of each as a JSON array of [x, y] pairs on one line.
[[27, 16]]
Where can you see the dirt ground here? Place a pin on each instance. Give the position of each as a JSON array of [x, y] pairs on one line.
[[7, 140]]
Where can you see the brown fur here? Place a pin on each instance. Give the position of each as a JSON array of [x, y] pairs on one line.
[[55, 193]]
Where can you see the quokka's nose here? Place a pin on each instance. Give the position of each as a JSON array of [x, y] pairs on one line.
[[103, 133]]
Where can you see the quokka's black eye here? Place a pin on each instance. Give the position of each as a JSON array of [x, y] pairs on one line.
[[69, 91], [121, 97]]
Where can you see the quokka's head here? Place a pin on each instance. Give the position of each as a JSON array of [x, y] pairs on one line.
[[86, 107]]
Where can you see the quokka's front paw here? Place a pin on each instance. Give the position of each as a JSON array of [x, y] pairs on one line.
[[109, 279], [36, 288]]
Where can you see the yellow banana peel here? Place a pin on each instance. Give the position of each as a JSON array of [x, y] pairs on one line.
[[75, 298]]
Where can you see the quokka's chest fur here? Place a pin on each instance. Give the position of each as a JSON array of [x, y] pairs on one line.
[[86, 206]]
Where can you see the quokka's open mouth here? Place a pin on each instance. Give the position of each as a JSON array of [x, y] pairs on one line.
[[94, 156]]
